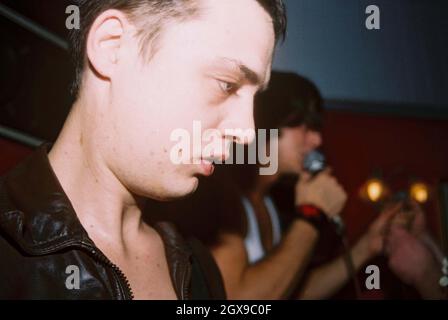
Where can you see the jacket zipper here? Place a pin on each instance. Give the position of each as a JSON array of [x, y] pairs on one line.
[[122, 279]]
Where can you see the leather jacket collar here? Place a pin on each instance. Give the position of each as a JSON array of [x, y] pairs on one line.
[[37, 215], [40, 217]]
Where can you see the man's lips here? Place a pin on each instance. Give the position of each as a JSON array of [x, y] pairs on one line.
[[207, 164], [207, 167]]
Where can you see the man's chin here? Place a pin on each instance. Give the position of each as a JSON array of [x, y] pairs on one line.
[[182, 190], [193, 188], [300, 169], [293, 170]]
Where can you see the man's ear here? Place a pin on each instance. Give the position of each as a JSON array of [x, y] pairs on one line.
[[104, 42]]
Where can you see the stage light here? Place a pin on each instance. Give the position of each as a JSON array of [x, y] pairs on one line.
[[419, 191], [374, 190]]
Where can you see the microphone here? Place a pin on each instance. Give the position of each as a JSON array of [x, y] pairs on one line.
[[314, 163]]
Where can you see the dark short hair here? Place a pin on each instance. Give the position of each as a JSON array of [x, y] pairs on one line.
[[290, 101], [162, 11]]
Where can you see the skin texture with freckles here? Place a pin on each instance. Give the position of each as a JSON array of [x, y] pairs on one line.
[[114, 148]]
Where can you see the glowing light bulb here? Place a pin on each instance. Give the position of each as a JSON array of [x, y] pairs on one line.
[[419, 192], [375, 190]]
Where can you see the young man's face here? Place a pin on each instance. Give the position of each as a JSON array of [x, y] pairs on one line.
[[208, 70], [293, 146]]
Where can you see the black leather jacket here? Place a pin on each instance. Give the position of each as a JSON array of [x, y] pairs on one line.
[[41, 236]]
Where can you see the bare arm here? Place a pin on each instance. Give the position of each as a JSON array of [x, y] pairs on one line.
[[277, 274], [326, 280], [272, 277]]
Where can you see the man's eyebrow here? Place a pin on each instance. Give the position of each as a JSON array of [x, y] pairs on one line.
[[248, 73]]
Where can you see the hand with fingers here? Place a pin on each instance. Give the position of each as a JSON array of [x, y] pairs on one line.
[[375, 235], [412, 255], [322, 191]]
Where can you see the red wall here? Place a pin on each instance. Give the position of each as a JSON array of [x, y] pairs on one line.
[[358, 144]]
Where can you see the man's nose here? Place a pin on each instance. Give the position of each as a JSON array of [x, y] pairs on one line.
[[240, 125]]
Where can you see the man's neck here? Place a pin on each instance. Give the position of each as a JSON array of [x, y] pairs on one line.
[[262, 185], [106, 209]]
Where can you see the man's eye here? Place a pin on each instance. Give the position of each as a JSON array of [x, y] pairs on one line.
[[227, 87]]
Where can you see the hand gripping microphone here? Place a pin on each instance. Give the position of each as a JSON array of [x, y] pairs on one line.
[[314, 163]]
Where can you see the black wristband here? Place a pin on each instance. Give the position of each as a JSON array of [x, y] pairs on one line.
[[312, 215]]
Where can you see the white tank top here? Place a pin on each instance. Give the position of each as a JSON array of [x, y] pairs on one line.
[[253, 243]]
